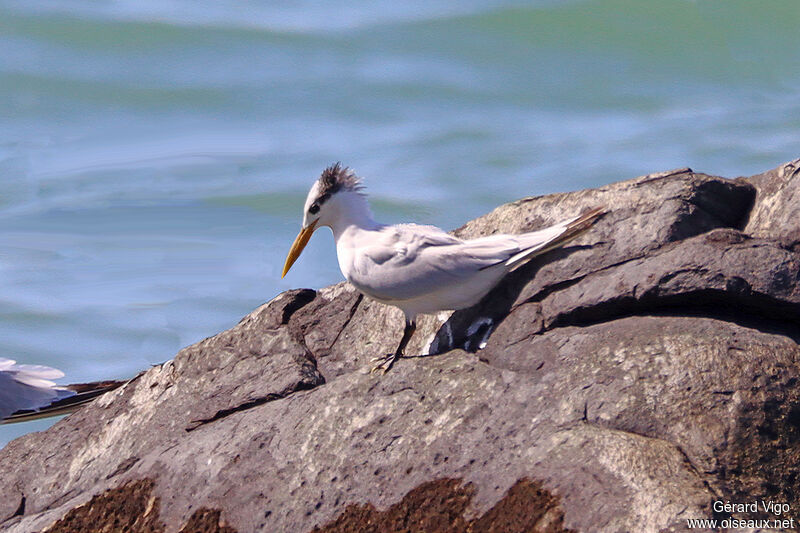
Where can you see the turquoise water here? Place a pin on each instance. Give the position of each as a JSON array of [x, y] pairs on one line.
[[154, 156]]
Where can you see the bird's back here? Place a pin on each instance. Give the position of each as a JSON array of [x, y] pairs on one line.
[[423, 269]]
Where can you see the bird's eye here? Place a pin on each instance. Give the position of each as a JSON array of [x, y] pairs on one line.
[[314, 209]]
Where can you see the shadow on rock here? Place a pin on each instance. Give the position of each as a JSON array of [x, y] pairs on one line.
[[470, 329]]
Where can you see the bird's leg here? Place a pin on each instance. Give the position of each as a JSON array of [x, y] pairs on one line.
[[385, 362]]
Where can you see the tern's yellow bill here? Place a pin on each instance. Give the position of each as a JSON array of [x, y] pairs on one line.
[[298, 245]]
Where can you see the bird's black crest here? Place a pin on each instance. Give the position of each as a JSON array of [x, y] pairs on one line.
[[337, 178]]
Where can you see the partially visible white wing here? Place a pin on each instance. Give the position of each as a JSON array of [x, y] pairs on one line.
[[27, 387]]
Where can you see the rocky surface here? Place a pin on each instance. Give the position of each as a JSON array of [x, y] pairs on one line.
[[623, 383]]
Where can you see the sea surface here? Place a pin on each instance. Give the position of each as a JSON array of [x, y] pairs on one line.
[[155, 155]]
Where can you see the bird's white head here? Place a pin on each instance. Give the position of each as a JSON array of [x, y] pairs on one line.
[[335, 200]]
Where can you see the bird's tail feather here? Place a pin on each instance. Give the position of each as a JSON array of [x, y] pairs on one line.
[[84, 393], [572, 230]]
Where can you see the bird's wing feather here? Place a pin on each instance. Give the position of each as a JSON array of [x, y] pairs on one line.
[[70, 398], [26, 386], [26, 392], [407, 261]]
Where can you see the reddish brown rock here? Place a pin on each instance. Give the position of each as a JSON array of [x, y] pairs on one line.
[[439, 507]]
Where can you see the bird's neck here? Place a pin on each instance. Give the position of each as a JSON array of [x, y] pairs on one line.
[[352, 212]]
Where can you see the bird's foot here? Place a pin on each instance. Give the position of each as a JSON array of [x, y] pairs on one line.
[[384, 363]]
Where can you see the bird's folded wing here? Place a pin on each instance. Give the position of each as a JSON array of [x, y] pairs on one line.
[[25, 386], [26, 392], [15, 395], [64, 400], [408, 261]]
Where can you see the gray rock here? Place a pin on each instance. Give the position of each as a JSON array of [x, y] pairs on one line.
[[776, 213], [623, 383]]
